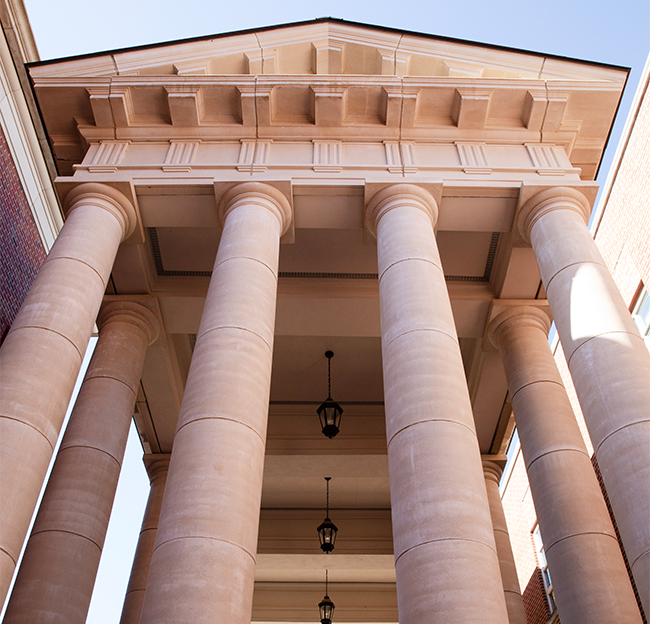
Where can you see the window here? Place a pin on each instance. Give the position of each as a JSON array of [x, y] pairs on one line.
[[543, 565], [641, 315], [511, 455]]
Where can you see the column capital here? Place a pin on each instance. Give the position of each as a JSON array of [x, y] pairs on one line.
[[555, 198], [259, 193], [492, 470], [398, 195], [517, 316], [156, 464], [106, 197], [130, 312]]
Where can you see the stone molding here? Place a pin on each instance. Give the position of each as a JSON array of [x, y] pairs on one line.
[[519, 316], [398, 195], [132, 313], [492, 471], [156, 465], [554, 198], [107, 198], [260, 193]]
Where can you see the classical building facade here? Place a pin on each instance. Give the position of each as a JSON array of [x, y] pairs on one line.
[[238, 205]]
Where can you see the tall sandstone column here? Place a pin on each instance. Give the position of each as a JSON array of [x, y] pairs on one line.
[[57, 574], [590, 581], [511, 589], [41, 356], [445, 557], [203, 564], [608, 360], [157, 469]]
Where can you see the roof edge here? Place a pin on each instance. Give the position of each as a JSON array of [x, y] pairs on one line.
[[322, 20]]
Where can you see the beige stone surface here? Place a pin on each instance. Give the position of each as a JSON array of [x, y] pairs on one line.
[[157, 468], [607, 358], [41, 355], [590, 581], [445, 557], [57, 573], [203, 562], [511, 589]]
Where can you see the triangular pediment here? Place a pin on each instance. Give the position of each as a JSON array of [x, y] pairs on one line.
[[327, 46], [329, 79]]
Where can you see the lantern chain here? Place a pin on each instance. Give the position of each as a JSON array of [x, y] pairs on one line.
[[329, 375], [327, 503]]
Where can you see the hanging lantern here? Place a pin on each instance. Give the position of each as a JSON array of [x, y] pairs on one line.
[[330, 411], [326, 607], [327, 530]]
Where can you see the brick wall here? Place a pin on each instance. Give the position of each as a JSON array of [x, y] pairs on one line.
[[521, 520], [623, 233], [21, 250], [535, 601]]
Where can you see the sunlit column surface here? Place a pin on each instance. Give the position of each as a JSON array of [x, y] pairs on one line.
[[590, 581], [203, 564], [41, 356], [511, 589], [445, 557], [157, 468], [608, 360], [57, 574]]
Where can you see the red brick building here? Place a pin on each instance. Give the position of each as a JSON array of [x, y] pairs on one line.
[[29, 211]]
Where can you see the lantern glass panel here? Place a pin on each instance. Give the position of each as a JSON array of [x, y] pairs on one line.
[[329, 414], [327, 535], [326, 608]]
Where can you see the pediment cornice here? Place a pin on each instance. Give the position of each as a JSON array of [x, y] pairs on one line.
[[328, 80], [330, 47]]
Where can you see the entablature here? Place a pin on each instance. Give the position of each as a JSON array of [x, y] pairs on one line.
[[325, 159], [80, 111]]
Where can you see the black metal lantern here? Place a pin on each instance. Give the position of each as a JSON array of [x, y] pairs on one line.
[[330, 411], [327, 530], [326, 607]]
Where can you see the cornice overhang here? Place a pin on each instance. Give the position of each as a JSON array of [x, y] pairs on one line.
[[328, 80], [573, 114]]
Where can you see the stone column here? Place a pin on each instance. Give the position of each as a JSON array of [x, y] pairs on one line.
[[608, 360], [512, 592], [203, 564], [157, 468], [57, 574], [590, 581], [445, 557], [41, 356]]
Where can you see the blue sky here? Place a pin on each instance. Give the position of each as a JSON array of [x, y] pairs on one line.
[[597, 30]]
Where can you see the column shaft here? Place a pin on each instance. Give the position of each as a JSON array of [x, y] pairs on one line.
[[57, 574], [608, 360], [511, 589], [445, 558], [590, 581], [41, 356], [202, 568], [157, 468]]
